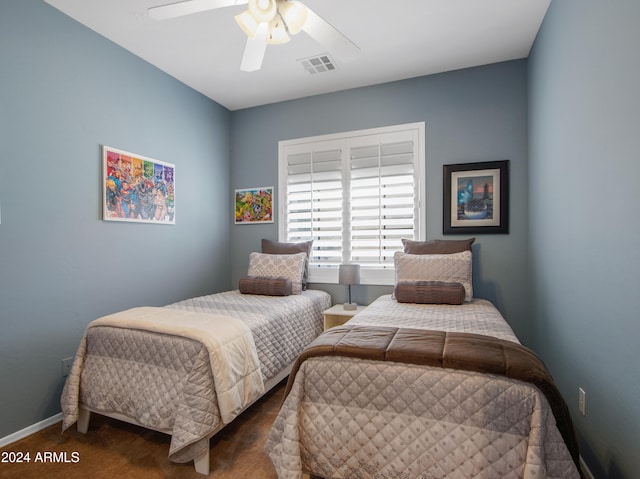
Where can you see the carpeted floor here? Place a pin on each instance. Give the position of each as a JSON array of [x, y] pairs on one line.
[[113, 449]]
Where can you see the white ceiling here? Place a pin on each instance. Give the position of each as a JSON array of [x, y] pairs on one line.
[[398, 39]]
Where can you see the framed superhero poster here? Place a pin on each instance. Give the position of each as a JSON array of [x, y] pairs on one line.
[[137, 189]]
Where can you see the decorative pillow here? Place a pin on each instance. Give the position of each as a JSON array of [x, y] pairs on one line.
[[275, 247], [289, 266], [452, 268], [265, 286], [429, 292], [437, 246]]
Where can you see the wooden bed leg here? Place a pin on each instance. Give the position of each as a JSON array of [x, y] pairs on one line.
[[83, 420], [201, 463]]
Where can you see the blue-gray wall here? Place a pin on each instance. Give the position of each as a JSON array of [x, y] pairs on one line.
[[584, 171], [472, 115], [567, 119], [65, 91]]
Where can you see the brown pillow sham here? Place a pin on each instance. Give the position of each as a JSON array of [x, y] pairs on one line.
[[266, 286], [429, 292], [437, 246]]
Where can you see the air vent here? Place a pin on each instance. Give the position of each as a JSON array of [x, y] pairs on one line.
[[319, 64]]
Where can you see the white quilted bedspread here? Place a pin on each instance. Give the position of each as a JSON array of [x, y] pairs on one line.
[[478, 316], [233, 361], [354, 418], [164, 381]]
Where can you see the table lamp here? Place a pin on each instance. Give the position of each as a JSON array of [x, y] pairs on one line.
[[349, 274]]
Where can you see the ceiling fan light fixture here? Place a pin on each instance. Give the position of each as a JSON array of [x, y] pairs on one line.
[[248, 24], [294, 15], [277, 32], [263, 10], [270, 22]]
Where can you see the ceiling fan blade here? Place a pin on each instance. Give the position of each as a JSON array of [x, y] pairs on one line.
[[325, 34], [254, 50], [188, 7]]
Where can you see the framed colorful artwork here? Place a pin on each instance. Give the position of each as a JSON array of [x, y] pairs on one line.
[[137, 189], [476, 198], [254, 205]]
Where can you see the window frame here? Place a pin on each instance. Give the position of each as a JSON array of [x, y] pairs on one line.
[[368, 275]]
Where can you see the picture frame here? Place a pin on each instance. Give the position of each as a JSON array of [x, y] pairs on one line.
[[254, 205], [137, 189], [476, 198]]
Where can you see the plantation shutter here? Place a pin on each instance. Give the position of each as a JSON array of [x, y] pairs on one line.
[[356, 195], [315, 200], [383, 193]]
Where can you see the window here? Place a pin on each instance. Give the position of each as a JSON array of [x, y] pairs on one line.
[[356, 194]]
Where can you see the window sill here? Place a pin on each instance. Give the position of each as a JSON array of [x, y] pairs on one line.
[[384, 277]]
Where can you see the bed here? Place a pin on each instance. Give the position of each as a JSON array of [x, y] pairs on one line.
[[400, 391], [189, 368]]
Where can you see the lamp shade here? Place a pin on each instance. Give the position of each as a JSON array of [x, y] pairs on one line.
[[263, 10], [248, 24], [294, 15], [277, 32], [349, 274]]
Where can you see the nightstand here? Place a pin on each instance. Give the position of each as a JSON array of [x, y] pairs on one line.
[[337, 315]]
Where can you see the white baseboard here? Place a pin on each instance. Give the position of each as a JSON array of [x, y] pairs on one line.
[[27, 431]]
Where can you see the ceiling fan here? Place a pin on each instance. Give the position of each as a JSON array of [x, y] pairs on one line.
[[268, 22]]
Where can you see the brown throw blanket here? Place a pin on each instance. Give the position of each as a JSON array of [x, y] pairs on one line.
[[471, 352]]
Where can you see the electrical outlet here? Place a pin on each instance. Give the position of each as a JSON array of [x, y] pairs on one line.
[[66, 366], [582, 401]]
